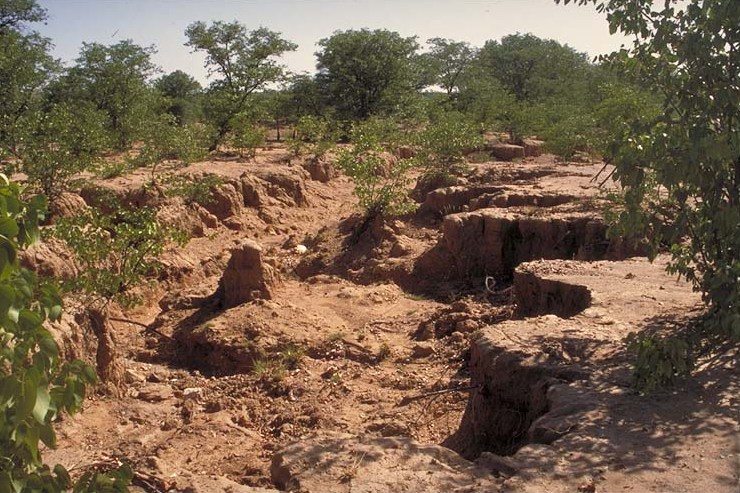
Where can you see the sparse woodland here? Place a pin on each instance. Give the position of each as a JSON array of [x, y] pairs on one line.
[[142, 183]]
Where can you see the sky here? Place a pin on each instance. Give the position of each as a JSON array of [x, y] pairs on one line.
[[162, 23]]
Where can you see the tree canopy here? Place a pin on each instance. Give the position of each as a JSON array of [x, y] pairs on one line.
[[365, 72]]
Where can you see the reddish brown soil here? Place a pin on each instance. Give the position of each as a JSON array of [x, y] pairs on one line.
[[366, 352]]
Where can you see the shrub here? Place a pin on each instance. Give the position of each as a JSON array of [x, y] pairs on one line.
[[381, 181], [165, 140], [245, 136], [62, 143], [36, 386], [313, 135], [444, 144]]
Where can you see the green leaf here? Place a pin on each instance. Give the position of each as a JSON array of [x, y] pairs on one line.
[[8, 227], [41, 406]]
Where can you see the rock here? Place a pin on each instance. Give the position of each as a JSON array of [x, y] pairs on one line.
[[132, 376], [507, 152], [538, 295], [449, 200], [155, 393], [192, 393], [492, 242], [406, 152], [50, 259], [402, 247], [67, 204], [247, 276], [320, 169], [208, 219], [532, 147], [466, 326], [226, 201], [334, 463], [422, 350]]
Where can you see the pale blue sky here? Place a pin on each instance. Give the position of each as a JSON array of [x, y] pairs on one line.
[[162, 23]]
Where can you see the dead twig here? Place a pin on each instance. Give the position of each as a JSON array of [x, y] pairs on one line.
[[411, 398]]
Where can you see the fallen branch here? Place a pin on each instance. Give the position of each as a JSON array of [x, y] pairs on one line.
[[408, 399]]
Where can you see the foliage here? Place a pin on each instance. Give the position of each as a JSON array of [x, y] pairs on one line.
[[684, 51], [163, 140], [365, 72], [444, 143], [245, 135], [192, 190], [35, 385], [313, 135], [659, 362], [181, 93], [25, 67], [448, 60], [245, 61], [60, 144], [533, 69], [114, 78], [381, 180], [117, 249]]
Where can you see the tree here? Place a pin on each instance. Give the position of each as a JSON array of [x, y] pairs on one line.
[[60, 143], [448, 60], [680, 172], [115, 79], [532, 68], [25, 67], [181, 94], [367, 72], [245, 61]]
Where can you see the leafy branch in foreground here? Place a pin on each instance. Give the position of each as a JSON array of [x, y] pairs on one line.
[[36, 386], [680, 171]]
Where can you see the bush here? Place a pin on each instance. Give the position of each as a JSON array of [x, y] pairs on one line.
[[313, 135], [245, 136], [381, 181], [62, 143], [165, 140], [444, 144], [36, 386], [193, 190]]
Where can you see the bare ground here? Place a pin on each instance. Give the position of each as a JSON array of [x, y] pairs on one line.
[[365, 359]]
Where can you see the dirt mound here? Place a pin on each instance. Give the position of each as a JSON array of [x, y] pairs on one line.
[[342, 462], [247, 275]]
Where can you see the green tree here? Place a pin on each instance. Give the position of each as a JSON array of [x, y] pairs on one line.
[[25, 68], [36, 386], [114, 78], [532, 68], [449, 60], [182, 96], [680, 172], [244, 61], [60, 143], [365, 72]]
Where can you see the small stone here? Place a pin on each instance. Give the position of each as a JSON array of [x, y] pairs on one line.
[[422, 350], [193, 393], [132, 376]]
